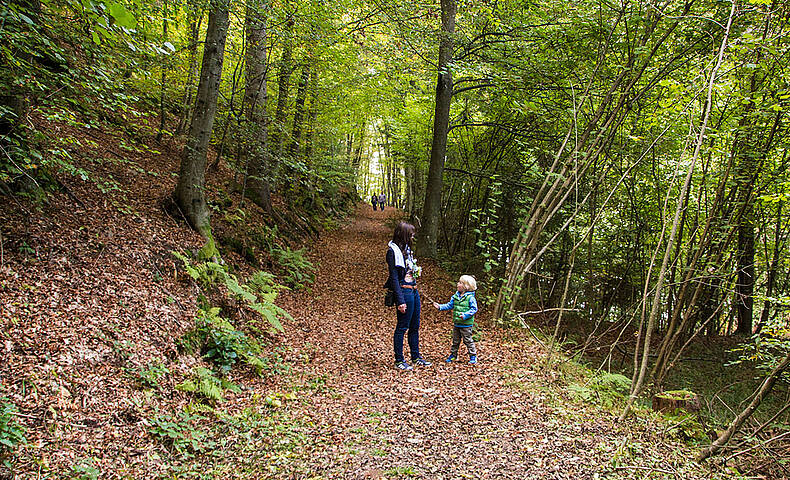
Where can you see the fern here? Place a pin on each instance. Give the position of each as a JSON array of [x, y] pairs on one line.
[[259, 294], [205, 384], [300, 270]]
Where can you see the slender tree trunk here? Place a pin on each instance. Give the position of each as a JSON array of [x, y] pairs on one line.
[[312, 114], [186, 109], [772, 270], [189, 193], [164, 67], [255, 101], [15, 99], [637, 388], [283, 85], [441, 122], [299, 106]]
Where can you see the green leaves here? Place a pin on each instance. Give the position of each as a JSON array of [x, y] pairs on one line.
[[121, 15]]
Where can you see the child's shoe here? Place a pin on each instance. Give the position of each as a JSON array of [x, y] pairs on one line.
[[473, 359], [421, 362], [402, 366], [451, 358]]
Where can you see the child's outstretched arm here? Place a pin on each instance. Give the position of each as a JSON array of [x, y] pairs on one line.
[[444, 306]]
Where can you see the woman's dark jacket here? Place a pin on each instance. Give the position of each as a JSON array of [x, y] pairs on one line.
[[396, 277]]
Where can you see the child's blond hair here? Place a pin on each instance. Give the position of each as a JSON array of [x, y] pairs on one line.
[[469, 282]]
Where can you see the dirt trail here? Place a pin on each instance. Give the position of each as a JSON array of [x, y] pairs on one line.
[[445, 421]]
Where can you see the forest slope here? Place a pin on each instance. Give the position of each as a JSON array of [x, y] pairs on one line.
[[93, 307]]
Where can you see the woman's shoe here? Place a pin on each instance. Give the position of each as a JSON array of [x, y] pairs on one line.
[[421, 362], [402, 366], [473, 359], [451, 359]]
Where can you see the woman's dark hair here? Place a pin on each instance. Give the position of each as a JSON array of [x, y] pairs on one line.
[[403, 235]]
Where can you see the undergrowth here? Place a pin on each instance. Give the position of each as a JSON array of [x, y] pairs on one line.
[[12, 433]]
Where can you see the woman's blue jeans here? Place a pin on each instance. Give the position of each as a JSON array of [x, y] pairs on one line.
[[409, 321]]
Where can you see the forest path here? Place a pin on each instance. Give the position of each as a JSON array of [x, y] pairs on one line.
[[368, 420]]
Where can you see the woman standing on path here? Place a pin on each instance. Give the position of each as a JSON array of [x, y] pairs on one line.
[[403, 271]]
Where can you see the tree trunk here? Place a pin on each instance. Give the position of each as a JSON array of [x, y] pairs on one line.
[[312, 115], [16, 99], [186, 110], [299, 107], [441, 121], [255, 100], [636, 388], [189, 193], [283, 85], [772, 270], [163, 66]]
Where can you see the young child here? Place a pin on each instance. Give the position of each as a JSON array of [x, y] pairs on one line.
[[464, 307]]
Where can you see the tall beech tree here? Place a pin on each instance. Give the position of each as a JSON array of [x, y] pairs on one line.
[[431, 209], [190, 191], [255, 103]]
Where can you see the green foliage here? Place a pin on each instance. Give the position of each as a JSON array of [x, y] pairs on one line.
[[149, 376], [400, 472], [12, 433], [687, 427], [299, 270], [222, 344], [180, 432], [767, 348], [205, 384], [85, 469], [259, 295], [606, 389]]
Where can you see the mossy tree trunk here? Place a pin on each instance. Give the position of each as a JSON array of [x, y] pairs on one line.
[[190, 191]]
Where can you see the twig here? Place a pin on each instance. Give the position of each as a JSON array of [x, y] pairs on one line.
[[69, 192], [17, 414], [639, 467], [21, 170], [529, 329], [761, 444], [549, 310]]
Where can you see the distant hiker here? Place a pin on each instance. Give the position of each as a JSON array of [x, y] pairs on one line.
[[464, 306], [403, 272], [382, 201], [374, 200]]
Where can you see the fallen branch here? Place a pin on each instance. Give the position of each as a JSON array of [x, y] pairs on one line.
[[762, 392], [761, 444]]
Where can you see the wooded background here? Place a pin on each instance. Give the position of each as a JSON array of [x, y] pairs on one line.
[[613, 172]]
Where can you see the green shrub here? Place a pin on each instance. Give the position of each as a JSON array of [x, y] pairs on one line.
[[85, 469], [221, 343], [148, 376], [12, 433], [258, 296], [180, 432]]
